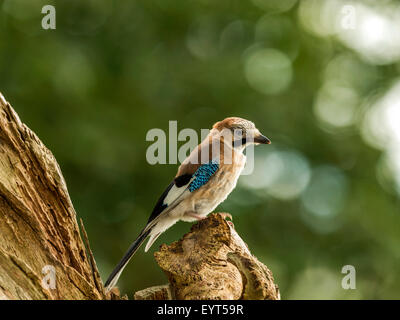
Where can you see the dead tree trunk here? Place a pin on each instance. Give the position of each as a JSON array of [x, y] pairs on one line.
[[42, 255]]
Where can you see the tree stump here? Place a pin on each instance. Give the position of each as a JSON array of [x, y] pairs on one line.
[[211, 262], [42, 255]]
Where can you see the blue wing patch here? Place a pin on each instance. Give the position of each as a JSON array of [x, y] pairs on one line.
[[202, 175]]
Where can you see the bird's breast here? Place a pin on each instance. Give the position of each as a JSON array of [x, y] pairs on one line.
[[219, 186]]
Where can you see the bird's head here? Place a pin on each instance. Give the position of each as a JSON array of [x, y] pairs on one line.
[[243, 132]]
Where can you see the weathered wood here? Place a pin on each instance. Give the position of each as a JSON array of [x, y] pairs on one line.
[[211, 262], [38, 226], [154, 293]]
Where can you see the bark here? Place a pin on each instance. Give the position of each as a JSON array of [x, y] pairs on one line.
[[43, 256], [211, 262], [39, 235]]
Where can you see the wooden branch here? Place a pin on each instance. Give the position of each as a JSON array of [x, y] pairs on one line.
[[211, 262], [40, 239]]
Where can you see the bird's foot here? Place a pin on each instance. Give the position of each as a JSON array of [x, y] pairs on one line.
[[227, 215]]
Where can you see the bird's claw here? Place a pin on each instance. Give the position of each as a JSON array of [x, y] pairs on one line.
[[228, 215], [225, 215]]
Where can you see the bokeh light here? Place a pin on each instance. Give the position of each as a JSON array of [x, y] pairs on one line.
[[336, 105], [380, 129], [373, 33], [282, 173], [324, 198], [376, 34], [268, 71]]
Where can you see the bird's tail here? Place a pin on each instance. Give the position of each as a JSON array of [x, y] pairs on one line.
[[113, 278]]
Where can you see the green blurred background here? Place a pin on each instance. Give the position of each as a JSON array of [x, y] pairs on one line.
[[320, 78]]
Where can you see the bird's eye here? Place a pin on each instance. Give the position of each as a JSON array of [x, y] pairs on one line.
[[243, 140]]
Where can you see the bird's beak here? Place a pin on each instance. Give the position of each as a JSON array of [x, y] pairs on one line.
[[262, 139]]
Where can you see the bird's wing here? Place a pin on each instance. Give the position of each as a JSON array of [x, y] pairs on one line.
[[193, 173], [181, 187], [170, 196]]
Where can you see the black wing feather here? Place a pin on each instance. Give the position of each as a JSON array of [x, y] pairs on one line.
[[160, 205], [182, 180]]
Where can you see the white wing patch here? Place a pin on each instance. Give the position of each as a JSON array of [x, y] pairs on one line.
[[175, 193]]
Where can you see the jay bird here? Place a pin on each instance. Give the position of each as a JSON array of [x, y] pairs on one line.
[[204, 180]]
